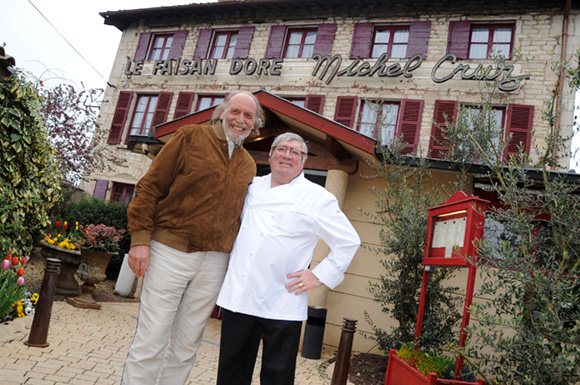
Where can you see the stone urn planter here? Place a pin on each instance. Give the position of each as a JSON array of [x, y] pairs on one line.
[[91, 271], [70, 259]]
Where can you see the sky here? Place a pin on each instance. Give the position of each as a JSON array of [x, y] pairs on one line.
[[66, 38]]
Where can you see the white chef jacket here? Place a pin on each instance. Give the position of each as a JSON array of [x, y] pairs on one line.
[[280, 228]]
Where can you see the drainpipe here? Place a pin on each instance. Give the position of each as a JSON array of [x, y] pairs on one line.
[[562, 78]]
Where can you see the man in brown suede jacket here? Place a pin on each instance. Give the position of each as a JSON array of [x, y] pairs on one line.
[[183, 221]]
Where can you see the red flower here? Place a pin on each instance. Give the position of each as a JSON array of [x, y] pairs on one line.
[[20, 272], [57, 223], [15, 261]]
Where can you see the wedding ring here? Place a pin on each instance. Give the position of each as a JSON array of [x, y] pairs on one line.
[[300, 285]]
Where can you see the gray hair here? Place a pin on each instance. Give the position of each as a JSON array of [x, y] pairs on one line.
[[288, 136], [259, 117]]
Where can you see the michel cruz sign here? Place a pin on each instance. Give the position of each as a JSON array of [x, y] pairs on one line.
[[327, 68]]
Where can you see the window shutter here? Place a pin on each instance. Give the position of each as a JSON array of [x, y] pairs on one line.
[[177, 44], [410, 124], [418, 38], [518, 129], [444, 111], [314, 103], [162, 108], [142, 46], [119, 117], [203, 42], [184, 101], [275, 42], [324, 39], [243, 42], [346, 110], [458, 39], [101, 187], [361, 40]]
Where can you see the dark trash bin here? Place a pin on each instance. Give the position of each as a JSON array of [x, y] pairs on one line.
[[314, 332]]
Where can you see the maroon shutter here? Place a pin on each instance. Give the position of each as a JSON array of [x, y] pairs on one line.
[[275, 42], [203, 41], [314, 103], [142, 46], [184, 101], [119, 117], [361, 40], [177, 44], [418, 38], [243, 42], [518, 128], [346, 110], [410, 124], [324, 39], [445, 111], [101, 187], [162, 108], [458, 38]]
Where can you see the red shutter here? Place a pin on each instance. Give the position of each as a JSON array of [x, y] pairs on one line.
[[203, 41], [346, 110], [324, 39], [162, 108], [101, 187], [418, 38], [184, 101], [458, 39], [518, 129], [275, 42], [243, 42], [445, 111], [120, 116], [142, 46], [361, 40], [314, 103], [410, 124], [177, 44]]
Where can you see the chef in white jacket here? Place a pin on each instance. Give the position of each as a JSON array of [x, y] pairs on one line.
[[264, 295]]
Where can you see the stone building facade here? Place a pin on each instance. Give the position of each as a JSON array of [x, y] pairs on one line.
[[349, 75]]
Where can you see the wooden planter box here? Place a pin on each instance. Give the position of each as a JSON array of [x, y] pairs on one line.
[[401, 373]]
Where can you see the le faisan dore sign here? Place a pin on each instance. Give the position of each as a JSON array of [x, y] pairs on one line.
[[327, 68]]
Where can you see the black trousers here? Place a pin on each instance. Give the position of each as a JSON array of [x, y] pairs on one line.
[[239, 343]]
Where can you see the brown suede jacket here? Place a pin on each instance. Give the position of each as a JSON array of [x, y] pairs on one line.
[[192, 195]]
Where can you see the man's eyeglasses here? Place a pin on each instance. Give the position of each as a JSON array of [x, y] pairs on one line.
[[294, 152]]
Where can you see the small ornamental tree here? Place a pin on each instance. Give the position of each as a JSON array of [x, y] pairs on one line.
[[71, 118], [29, 175]]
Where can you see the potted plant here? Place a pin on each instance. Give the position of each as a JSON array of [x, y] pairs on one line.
[[98, 244]]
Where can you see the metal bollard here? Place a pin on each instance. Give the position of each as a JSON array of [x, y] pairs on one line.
[[340, 373], [39, 330]]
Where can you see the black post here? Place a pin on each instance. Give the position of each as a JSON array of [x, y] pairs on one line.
[[340, 373], [39, 330], [314, 332]]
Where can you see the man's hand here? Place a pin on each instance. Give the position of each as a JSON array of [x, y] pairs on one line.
[[304, 280], [139, 259]]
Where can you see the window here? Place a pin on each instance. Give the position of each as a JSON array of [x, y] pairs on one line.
[[490, 40], [473, 40], [300, 43], [478, 119], [304, 42], [391, 41], [298, 101], [371, 40], [219, 44], [122, 193], [378, 120], [224, 44], [384, 120], [514, 122], [204, 102], [143, 115], [160, 45]]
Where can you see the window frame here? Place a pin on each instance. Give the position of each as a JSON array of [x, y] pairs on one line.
[[123, 194], [490, 39], [145, 112], [164, 50], [376, 126], [393, 29], [228, 48], [304, 31], [213, 103]]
